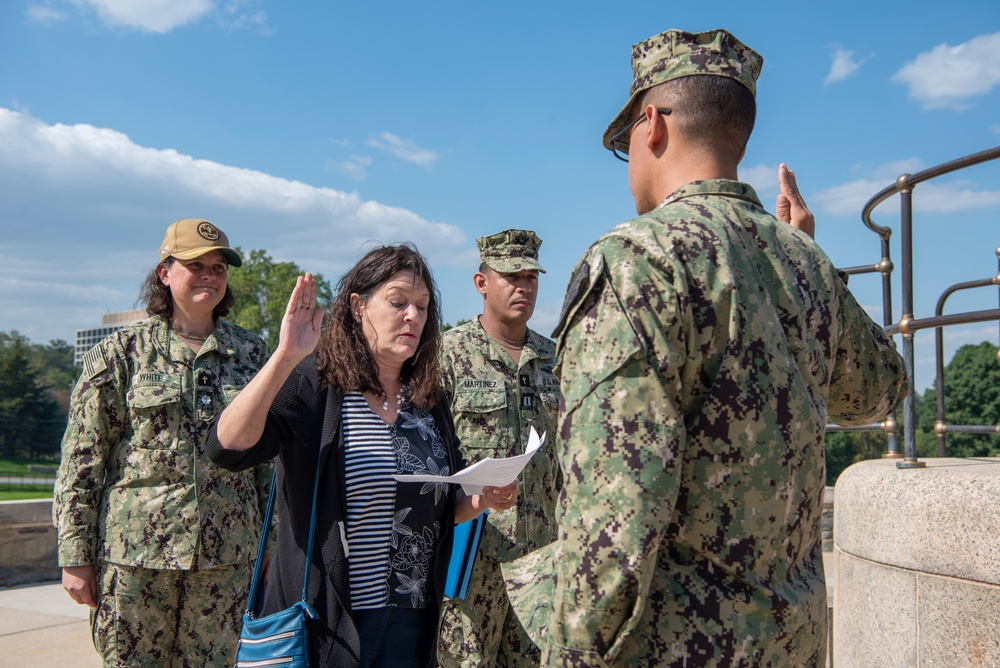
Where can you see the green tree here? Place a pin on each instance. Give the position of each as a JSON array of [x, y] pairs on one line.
[[54, 362], [446, 326], [261, 287], [971, 397], [844, 448], [31, 421]]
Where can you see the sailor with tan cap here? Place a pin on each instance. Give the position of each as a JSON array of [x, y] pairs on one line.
[[188, 238], [155, 538]]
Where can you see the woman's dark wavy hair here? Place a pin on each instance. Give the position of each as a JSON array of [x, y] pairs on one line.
[[158, 300], [345, 360]]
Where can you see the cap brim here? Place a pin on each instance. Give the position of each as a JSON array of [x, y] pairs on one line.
[[619, 122], [232, 257], [507, 265]]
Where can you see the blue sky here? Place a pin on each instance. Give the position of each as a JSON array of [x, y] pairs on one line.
[[311, 128]]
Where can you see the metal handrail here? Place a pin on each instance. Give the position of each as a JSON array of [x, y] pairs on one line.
[[907, 324], [940, 428], [908, 181]]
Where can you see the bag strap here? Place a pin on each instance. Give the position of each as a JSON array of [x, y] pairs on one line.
[[258, 569], [312, 530]]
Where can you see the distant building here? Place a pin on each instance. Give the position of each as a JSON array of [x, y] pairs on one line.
[[110, 322]]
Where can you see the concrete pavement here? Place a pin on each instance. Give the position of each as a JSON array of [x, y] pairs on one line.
[[41, 627]]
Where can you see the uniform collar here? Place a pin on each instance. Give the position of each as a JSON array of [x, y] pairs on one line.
[[723, 187], [220, 340], [530, 349]]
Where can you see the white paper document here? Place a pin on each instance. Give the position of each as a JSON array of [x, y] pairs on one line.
[[486, 472]]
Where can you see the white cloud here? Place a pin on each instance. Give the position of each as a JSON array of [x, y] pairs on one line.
[[929, 197], [43, 14], [356, 166], [239, 15], [763, 178], [947, 76], [404, 149], [84, 210], [161, 16], [843, 66], [847, 199], [546, 316], [953, 197], [892, 170], [157, 16]]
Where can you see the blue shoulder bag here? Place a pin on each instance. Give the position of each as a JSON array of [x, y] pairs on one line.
[[279, 639]]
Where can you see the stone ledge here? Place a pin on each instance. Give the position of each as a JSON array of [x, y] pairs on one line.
[[917, 564], [941, 519], [27, 543]]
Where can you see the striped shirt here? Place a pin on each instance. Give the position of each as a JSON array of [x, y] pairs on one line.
[[392, 528]]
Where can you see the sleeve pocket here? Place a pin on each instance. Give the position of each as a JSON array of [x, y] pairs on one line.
[[596, 342]]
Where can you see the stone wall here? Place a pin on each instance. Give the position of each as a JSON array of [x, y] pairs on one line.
[[27, 543], [917, 559], [828, 498]]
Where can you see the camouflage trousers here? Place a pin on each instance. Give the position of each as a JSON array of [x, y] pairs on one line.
[[481, 630], [169, 618]]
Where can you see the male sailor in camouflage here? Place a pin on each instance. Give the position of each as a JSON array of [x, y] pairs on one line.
[[703, 346], [498, 378]]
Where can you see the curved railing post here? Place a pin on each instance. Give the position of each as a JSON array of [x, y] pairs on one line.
[[908, 325], [910, 403]]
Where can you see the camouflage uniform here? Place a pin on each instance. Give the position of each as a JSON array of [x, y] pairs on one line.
[[494, 402], [137, 497], [702, 349]]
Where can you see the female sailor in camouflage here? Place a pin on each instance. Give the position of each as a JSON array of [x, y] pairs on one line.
[[155, 538]]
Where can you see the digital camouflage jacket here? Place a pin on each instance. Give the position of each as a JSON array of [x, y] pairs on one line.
[[703, 347], [494, 403], [135, 486]]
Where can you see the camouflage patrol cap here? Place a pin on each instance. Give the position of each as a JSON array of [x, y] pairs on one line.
[[510, 250], [674, 54], [188, 238]]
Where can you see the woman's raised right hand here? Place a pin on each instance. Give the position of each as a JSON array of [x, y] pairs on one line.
[[302, 322]]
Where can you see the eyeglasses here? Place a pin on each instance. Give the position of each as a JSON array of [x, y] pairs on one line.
[[619, 143]]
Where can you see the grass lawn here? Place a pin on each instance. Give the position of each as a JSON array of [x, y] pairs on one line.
[[14, 487], [21, 495], [22, 464]]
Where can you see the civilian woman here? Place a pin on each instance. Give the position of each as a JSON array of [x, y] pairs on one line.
[[366, 407]]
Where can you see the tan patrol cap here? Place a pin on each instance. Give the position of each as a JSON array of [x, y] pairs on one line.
[[674, 54], [189, 238], [510, 251]]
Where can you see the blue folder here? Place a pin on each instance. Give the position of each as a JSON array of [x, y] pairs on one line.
[[463, 556]]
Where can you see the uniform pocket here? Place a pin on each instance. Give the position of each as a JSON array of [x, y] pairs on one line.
[[481, 401], [229, 393], [480, 415], [155, 411], [142, 397]]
